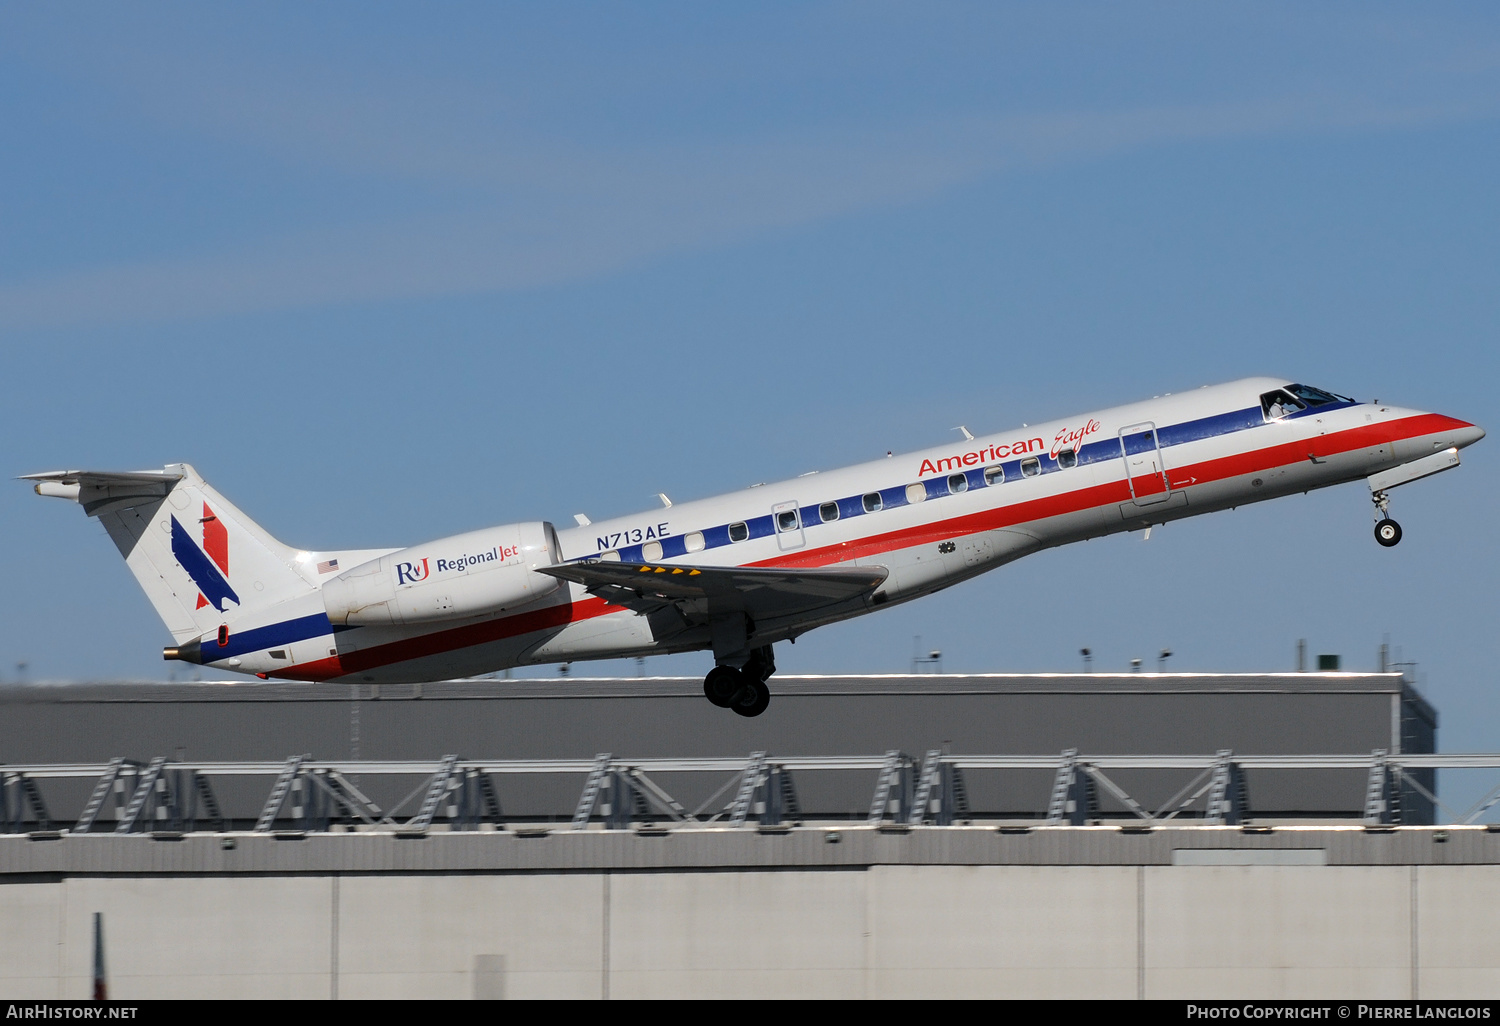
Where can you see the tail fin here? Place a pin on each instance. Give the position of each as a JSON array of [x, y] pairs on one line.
[[201, 562]]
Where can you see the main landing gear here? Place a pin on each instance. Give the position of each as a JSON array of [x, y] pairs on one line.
[[1387, 531], [743, 690]]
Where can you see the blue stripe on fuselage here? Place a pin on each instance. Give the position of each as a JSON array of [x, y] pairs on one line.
[[260, 638], [1101, 451]]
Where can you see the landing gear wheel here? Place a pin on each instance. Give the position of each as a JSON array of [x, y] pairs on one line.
[[1388, 532], [752, 699], [722, 684]]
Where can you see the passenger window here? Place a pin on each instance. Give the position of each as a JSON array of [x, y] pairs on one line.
[[651, 551], [786, 520], [994, 475], [695, 542], [1031, 467], [916, 492], [829, 511], [1280, 403], [609, 557], [872, 503], [958, 483], [738, 532], [1067, 458]]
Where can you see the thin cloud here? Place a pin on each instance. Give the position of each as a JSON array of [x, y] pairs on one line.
[[537, 216]]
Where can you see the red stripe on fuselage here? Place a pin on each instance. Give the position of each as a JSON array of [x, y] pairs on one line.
[[1217, 469], [450, 640], [1032, 510]]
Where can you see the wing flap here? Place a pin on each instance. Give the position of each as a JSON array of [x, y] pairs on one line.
[[703, 592]]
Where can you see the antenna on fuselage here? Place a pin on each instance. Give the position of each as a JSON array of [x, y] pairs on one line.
[[664, 500], [967, 436], [582, 520]]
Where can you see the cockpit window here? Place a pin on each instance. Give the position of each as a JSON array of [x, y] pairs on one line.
[[1316, 396], [1280, 404]]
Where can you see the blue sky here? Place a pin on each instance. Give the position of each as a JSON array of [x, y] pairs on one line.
[[388, 272]]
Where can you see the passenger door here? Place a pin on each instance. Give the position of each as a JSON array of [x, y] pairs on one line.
[[786, 520], [1145, 469]]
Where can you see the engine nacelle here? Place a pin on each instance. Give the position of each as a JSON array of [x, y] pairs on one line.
[[471, 574]]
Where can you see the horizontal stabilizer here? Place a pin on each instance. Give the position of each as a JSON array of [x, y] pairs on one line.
[[106, 476], [100, 491], [710, 591]]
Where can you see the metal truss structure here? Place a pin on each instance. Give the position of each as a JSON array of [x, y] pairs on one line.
[[307, 795]]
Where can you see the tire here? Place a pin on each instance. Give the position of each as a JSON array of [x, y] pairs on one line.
[[722, 684], [753, 700], [1388, 532]]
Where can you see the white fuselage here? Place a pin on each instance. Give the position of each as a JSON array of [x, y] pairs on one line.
[[930, 518]]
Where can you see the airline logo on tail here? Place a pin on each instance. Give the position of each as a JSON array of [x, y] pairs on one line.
[[207, 566]]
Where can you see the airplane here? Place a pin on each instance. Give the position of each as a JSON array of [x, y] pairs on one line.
[[735, 574]]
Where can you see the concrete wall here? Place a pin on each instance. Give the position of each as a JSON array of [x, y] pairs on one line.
[[907, 931]]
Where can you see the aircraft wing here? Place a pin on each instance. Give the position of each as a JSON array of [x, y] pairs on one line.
[[704, 592]]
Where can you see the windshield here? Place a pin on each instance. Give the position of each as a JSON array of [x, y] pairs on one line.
[[1316, 396]]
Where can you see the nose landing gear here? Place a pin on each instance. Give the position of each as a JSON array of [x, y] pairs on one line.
[[1387, 531], [743, 690]]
